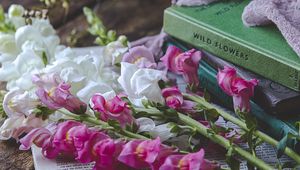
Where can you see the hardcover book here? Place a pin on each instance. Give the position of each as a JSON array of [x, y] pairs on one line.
[[218, 29], [271, 96]]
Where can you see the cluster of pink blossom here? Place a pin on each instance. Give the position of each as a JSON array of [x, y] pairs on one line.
[[174, 99], [91, 145], [183, 63], [240, 89], [55, 94], [114, 109]]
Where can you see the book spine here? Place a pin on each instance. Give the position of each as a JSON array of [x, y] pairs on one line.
[[269, 124], [230, 49]]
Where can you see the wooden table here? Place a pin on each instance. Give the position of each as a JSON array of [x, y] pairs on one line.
[[133, 18]]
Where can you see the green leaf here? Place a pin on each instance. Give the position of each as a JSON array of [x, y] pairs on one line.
[[281, 146], [115, 124], [233, 163], [44, 58], [2, 14], [297, 124], [171, 114], [211, 114], [206, 95], [42, 112]]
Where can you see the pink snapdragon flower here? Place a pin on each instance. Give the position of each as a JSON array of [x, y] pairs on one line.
[[192, 161], [41, 137], [174, 99], [62, 140], [83, 140], [240, 89], [106, 152], [141, 56], [61, 97], [231, 134], [141, 153], [115, 109], [185, 64]]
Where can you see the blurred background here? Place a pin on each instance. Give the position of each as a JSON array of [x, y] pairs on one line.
[[133, 18]]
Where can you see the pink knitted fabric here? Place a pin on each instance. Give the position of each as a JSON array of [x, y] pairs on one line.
[[192, 2], [284, 13]]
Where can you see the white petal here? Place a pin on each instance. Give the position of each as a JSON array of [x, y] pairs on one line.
[[28, 61], [6, 130], [145, 83], [90, 89], [145, 124], [8, 44], [127, 71], [8, 72], [27, 33], [163, 131]]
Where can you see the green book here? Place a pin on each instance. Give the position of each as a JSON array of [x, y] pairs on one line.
[[218, 29]]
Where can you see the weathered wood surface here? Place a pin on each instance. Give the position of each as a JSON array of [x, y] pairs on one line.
[[134, 18]]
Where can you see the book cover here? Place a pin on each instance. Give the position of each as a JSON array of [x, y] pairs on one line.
[[218, 29]]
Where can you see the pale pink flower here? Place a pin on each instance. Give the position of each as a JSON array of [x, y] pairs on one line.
[[60, 97], [41, 137], [14, 127], [241, 90], [141, 56]]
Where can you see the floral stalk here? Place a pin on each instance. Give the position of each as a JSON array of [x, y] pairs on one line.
[[102, 124], [241, 124], [203, 130]]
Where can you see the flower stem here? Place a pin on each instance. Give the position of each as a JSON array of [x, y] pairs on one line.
[[215, 138], [241, 124], [224, 142], [102, 124]]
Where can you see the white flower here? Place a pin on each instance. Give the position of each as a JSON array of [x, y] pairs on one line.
[[145, 124], [15, 11], [113, 52], [92, 88], [15, 15], [85, 73], [16, 126], [39, 40], [19, 103], [162, 131], [140, 83], [8, 72], [8, 45]]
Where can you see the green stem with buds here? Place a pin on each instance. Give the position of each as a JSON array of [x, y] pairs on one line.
[[203, 130], [102, 124], [289, 152]]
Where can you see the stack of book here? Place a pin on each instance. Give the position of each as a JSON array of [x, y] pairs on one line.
[[257, 52]]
